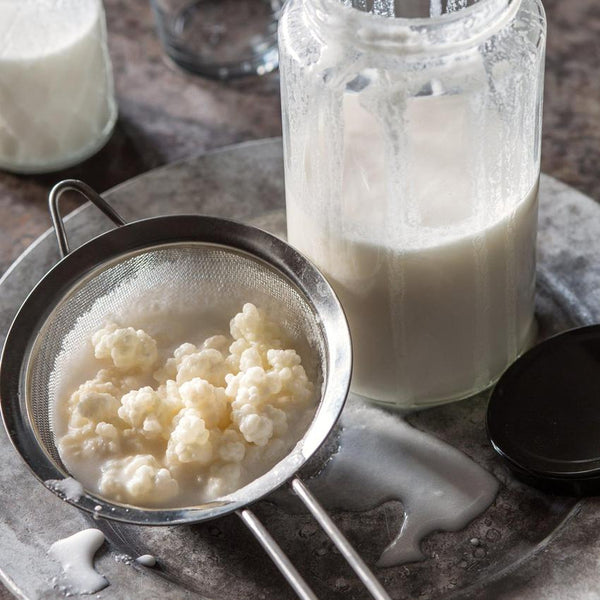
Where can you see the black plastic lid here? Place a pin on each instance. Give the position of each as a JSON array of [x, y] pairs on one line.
[[544, 414]]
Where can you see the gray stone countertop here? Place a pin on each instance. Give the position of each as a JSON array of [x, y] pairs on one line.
[[165, 115]]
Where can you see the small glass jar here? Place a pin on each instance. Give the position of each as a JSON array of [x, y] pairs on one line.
[[57, 104], [412, 154]]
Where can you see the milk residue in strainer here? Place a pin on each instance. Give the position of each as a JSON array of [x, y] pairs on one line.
[[218, 261]]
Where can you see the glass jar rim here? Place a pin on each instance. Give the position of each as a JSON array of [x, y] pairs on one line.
[[449, 32]]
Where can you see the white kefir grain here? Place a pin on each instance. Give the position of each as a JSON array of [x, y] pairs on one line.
[[211, 419]]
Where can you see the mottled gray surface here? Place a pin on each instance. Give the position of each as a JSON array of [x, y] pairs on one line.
[[529, 545]]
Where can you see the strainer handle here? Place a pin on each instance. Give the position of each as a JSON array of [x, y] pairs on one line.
[[337, 537], [89, 194], [283, 563], [277, 555]]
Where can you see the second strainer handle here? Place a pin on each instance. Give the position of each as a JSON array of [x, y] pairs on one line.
[[282, 562], [337, 537]]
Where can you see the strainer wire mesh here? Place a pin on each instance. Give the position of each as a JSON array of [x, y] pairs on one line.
[[153, 289]]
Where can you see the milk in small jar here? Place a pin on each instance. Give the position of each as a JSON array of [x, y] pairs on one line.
[[412, 156], [57, 103]]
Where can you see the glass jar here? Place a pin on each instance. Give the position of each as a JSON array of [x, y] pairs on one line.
[[57, 104], [220, 39], [412, 153]]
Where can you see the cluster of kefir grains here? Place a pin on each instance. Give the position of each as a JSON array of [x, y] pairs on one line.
[[208, 421]]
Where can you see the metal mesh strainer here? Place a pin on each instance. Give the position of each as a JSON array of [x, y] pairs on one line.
[[169, 290], [163, 274]]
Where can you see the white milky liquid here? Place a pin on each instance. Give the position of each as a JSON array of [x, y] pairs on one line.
[[381, 458], [165, 305], [438, 288], [68, 488], [146, 560], [56, 94], [76, 556]]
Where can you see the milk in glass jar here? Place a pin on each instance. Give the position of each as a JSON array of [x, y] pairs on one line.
[[412, 157], [57, 104]]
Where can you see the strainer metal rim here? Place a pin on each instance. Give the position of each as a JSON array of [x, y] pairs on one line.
[[144, 234]]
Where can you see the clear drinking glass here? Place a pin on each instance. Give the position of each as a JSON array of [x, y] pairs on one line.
[[220, 38], [57, 104], [412, 154]]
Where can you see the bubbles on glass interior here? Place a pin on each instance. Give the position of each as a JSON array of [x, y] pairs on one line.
[[409, 9]]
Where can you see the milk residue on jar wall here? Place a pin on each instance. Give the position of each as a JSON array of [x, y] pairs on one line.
[[411, 181]]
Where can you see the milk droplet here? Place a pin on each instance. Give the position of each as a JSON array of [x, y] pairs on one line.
[[68, 488], [147, 560], [76, 556], [123, 558]]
